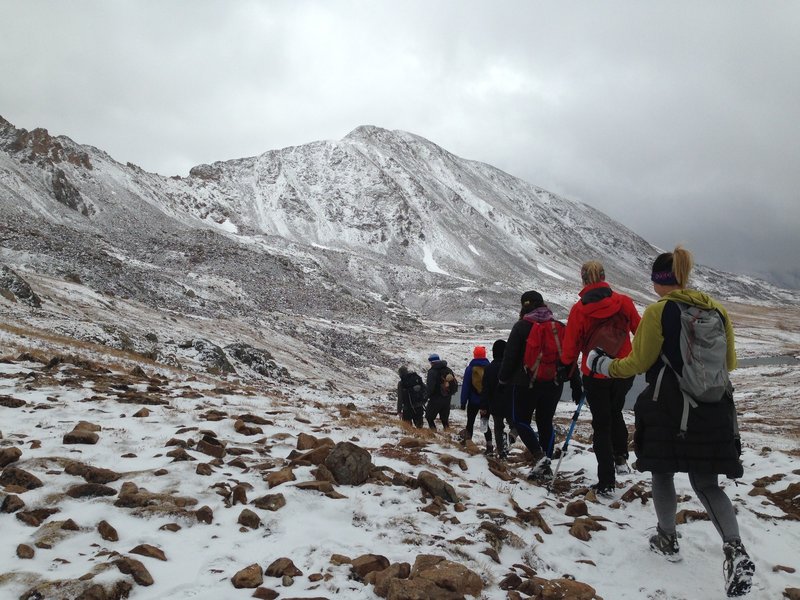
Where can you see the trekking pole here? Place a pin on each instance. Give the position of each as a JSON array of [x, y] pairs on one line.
[[575, 416]]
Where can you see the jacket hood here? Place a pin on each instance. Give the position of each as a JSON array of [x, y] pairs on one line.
[[479, 361], [539, 315], [598, 300], [692, 297]]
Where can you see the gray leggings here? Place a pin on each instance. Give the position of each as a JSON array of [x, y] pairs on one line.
[[717, 504]]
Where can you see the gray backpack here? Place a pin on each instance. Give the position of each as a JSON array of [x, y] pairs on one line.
[[704, 350]]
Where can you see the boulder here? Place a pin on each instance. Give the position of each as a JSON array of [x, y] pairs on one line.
[[20, 478], [9, 455], [367, 563], [349, 464], [436, 487], [249, 577]]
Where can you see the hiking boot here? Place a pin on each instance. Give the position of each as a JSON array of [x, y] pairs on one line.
[[541, 470], [737, 568], [502, 454], [604, 491], [621, 465], [665, 544], [489, 450]]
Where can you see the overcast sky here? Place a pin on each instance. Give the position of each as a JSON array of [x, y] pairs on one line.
[[679, 119]]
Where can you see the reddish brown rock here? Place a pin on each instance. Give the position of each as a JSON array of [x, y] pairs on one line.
[[278, 477], [249, 519], [81, 436], [134, 568], [9, 455], [90, 490], [204, 469], [271, 502], [12, 476], [107, 532], [141, 413], [367, 563], [249, 577], [149, 551], [12, 503], [265, 594], [577, 508], [25, 551], [91, 474], [211, 446], [204, 514], [36, 517], [238, 495], [283, 567]]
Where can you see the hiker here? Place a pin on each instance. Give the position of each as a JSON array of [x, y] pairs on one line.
[[529, 369], [440, 385], [686, 418], [602, 317], [411, 395], [471, 388], [494, 401]]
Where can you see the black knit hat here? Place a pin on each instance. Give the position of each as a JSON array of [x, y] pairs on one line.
[[531, 299]]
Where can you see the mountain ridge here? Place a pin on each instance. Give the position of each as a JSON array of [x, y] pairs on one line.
[[383, 228]]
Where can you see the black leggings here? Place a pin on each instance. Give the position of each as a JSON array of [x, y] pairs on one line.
[[542, 397]]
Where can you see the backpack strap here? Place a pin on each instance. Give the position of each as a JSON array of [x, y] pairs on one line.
[[688, 401], [555, 335]]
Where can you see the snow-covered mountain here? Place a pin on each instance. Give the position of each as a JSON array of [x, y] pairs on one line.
[[381, 228]]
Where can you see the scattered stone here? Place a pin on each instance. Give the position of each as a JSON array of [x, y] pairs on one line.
[[238, 495], [204, 469], [205, 515], [211, 446], [367, 563], [12, 503], [107, 532], [249, 577], [10, 402], [436, 487], [170, 527], [141, 413], [18, 477], [24, 551], [271, 502], [340, 559], [149, 551], [36, 517], [91, 474], [81, 436], [278, 477], [577, 508], [134, 568], [242, 428], [249, 519], [90, 490], [9, 455], [281, 567], [265, 594], [582, 526], [349, 464]]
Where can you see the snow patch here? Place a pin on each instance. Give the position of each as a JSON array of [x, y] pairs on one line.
[[430, 263]]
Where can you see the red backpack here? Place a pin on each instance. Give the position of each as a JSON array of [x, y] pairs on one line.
[[609, 334], [543, 350]]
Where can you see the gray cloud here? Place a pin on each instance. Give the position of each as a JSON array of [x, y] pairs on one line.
[[679, 120]]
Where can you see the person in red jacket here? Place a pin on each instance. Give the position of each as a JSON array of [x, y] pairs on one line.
[[604, 318]]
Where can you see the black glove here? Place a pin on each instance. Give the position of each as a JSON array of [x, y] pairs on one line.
[[577, 393], [562, 372]]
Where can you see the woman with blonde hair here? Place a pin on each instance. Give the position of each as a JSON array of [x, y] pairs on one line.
[[602, 317], [682, 427]]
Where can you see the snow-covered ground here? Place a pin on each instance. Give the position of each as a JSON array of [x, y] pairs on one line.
[[375, 517]]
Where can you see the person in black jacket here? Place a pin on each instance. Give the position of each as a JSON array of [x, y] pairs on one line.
[[527, 396], [494, 400], [438, 403], [410, 396]]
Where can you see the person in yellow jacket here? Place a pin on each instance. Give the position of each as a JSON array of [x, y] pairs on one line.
[[671, 438]]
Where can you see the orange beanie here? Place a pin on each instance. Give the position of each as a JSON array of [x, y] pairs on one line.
[[479, 352]]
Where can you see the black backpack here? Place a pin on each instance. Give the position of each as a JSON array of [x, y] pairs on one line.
[[415, 388]]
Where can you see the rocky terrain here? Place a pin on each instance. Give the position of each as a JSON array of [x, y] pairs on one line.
[[135, 480]]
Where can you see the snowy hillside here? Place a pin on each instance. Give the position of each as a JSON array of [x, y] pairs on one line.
[[381, 227], [122, 479]]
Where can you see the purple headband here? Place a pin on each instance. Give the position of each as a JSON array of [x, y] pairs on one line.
[[664, 278]]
